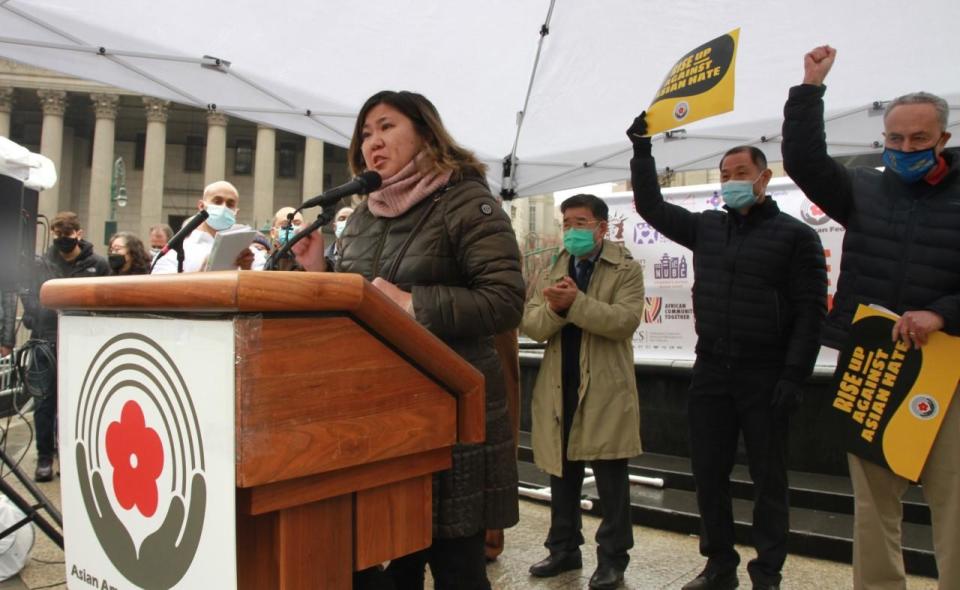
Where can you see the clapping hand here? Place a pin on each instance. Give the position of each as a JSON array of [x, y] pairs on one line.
[[561, 295]]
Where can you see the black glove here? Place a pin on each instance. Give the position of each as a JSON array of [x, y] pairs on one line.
[[636, 133], [787, 397]]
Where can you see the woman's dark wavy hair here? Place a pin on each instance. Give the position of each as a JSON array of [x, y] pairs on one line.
[[139, 259], [445, 153]]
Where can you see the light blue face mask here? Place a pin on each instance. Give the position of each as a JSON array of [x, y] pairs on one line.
[[738, 194], [339, 227], [221, 217], [285, 234]]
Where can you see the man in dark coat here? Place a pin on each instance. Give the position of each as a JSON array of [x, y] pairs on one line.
[[70, 256], [901, 251], [759, 296]]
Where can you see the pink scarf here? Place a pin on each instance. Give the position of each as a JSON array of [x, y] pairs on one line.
[[405, 189]]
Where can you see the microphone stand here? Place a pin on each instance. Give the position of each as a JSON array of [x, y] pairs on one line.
[[180, 257], [322, 220]]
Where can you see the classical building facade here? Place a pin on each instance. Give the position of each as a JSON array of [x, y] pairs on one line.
[[169, 151]]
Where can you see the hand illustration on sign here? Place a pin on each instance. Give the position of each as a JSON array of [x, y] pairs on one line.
[[161, 562]]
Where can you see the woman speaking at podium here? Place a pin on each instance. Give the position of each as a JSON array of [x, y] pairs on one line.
[[435, 241]]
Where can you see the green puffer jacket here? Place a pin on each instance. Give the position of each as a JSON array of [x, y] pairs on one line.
[[606, 424], [463, 269]]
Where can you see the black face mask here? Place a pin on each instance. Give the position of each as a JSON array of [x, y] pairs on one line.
[[117, 261], [66, 245]]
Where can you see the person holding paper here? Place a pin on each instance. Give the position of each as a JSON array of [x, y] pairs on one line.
[[759, 297], [900, 252], [437, 243], [221, 201]]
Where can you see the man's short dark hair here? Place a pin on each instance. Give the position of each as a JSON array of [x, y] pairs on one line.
[[66, 221], [758, 158], [595, 204]]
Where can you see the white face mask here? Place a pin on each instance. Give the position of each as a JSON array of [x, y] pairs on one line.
[[339, 227]]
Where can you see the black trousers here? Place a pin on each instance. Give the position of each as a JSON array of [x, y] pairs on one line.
[[725, 402], [456, 564], [42, 379], [615, 534]]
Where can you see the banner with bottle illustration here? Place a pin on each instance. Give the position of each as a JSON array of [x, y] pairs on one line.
[[699, 85], [889, 397]]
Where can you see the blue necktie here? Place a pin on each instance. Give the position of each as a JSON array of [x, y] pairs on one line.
[[584, 270]]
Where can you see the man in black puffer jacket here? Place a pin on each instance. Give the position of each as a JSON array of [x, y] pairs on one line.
[[759, 297], [70, 256], [902, 251]]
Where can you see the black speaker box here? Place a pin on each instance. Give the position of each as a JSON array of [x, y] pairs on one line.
[[18, 232]]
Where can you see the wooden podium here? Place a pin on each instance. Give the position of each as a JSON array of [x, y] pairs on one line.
[[345, 406]]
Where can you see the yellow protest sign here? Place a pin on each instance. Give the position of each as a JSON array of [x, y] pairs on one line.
[[890, 398], [699, 85]]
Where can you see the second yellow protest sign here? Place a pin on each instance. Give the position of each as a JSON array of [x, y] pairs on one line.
[[890, 399], [699, 85]]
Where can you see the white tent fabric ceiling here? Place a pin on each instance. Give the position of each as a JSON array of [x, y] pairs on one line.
[[307, 66]]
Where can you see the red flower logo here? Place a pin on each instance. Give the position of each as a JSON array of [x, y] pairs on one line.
[[136, 454]]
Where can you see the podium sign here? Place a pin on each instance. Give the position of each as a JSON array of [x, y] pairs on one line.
[[147, 452]]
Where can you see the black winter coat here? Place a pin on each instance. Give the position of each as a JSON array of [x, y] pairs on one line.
[[760, 284], [901, 249], [42, 321], [463, 269]]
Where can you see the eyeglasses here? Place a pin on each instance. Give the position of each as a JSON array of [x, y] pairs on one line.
[[579, 224]]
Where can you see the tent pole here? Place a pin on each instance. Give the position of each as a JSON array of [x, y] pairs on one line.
[[510, 162]]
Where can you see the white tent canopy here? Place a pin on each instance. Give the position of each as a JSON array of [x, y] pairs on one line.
[[307, 66]]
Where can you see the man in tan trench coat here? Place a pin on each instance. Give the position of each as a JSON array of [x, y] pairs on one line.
[[585, 405]]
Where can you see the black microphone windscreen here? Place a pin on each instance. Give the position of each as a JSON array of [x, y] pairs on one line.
[[371, 180]]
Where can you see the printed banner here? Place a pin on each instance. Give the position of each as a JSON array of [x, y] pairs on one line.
[[147, 452], [891, 398], [667, 333], [699, 85]]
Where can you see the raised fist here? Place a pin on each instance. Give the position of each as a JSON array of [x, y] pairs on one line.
[[817, 63]]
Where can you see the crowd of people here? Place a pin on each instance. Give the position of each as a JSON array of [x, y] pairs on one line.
[[437, 242]]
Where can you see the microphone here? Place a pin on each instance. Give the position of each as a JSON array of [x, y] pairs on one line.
[[177, 240], [363, 184]]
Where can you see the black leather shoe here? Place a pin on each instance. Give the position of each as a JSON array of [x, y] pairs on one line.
[[607, 577], [766, 586], [556, 564], [44, 470], [713, 581]]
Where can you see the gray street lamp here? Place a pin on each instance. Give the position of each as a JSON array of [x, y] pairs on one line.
[[118, 197]]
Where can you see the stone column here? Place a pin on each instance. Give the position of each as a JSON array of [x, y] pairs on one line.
[[101, 170], [54, 104], [6, 105], [154, 157], [264, 172], [215, 164], [312, 168]]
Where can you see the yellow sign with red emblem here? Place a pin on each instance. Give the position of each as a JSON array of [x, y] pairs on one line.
[[699, 85], [891, 398]]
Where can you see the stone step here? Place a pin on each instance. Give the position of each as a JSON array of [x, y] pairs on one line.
[[828, 493]]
